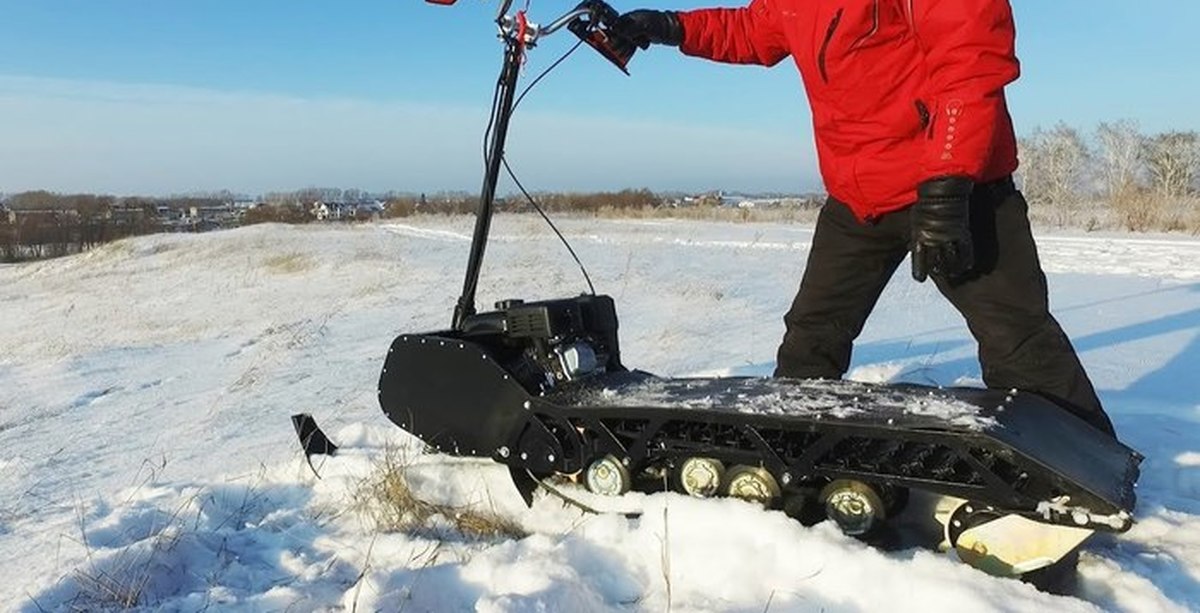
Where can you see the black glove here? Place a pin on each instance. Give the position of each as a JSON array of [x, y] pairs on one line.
[[644, 27], [941, 228]]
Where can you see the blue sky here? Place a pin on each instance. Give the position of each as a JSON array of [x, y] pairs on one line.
[[153, 97]]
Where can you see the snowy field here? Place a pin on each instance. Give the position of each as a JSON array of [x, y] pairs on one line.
[[147, 458]]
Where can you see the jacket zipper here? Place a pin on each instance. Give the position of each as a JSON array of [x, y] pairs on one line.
[[874, 26], [926, 118], [837, 18]]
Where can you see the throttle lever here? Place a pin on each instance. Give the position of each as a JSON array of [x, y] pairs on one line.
[[597, 29]]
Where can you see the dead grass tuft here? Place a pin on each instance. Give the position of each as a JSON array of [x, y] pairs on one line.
[[386, 500], [1138, 211], [288, 263], [123, 581], [486, 525], [122, 587]]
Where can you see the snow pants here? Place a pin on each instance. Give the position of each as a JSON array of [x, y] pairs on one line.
[[1004, 300]]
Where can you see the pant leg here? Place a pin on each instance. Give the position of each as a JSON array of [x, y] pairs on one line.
[[1005, 303], [849, 264]]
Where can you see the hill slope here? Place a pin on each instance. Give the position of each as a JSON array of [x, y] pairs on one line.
[[147, 457]]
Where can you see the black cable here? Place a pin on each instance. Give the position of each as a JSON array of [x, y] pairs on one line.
[[562, 238], [496, 97], [544, 73], [513, 176], [487, 132]]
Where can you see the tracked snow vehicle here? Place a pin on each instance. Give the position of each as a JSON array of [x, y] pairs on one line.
[[540, 387]]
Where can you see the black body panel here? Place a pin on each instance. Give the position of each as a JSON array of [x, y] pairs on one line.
[[1015, 451]]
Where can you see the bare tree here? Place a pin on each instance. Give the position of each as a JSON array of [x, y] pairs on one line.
[[1053, 168], [35, 200], [1173, 159], [1120, 150]]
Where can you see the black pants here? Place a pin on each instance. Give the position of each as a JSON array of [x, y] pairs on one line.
[[1004, 300]]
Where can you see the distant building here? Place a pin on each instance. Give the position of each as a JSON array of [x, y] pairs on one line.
[[321, 211], [337, 211]]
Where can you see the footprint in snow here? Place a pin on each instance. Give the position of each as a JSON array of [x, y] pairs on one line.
[[90, 398]]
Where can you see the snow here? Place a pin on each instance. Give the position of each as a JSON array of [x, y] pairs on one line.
[[847, 400], [1190, 458], [146, 452]]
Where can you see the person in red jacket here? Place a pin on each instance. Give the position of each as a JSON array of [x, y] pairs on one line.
[[916, 150]]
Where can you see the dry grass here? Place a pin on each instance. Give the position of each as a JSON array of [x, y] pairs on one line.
[[713, 213], [121, 582], [1134, 212], [1138, 212], [121, 588], [386, 500], [288, 263]]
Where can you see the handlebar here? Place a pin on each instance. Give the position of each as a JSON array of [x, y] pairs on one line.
[[593, 21]]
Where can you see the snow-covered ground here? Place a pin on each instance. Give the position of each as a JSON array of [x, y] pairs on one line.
[[146, 451]]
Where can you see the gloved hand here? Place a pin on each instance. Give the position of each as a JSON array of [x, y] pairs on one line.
[[644, 27], [941, 228]]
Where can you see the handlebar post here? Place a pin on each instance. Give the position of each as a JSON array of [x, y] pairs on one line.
[[487, 198]]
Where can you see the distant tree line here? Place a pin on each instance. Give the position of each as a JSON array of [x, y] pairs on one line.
[[585, 202], [1116, 176], [41, 224]]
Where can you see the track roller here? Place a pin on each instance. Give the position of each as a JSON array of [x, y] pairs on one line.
[[856, 507], [701, 477], [752, 483], [608, 476]]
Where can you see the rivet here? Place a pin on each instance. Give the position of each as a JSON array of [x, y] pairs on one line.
[[550, 458], [524, 456], [528, 404], [504, 451]]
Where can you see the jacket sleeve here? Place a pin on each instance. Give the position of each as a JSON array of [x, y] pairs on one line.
[[970, 55], [747, 35]]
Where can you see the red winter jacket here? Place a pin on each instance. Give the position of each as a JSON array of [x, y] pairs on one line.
[[900, 90]]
